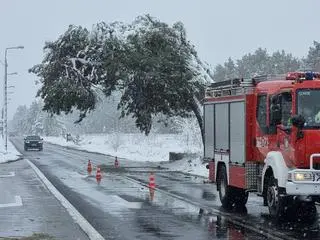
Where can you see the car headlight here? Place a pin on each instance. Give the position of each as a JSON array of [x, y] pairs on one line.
[[27, 141], [302, 176]]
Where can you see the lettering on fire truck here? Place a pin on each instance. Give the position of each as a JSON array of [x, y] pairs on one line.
[[262, 142]]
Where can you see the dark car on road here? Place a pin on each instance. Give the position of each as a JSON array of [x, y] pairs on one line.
[[33, 142]]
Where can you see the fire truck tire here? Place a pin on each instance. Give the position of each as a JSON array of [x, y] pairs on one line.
[[225, 191], [265, 200], [275, 202], [240, 197], [306, 212]]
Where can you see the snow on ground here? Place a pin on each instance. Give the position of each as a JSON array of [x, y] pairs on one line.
[[138, 147], [11, 155], [189, 165]]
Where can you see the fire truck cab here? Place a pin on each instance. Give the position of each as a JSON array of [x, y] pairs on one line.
[[263, 135]]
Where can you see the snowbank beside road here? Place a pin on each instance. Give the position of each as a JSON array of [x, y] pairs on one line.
[[191, 165], [138, 147], [11, 155]]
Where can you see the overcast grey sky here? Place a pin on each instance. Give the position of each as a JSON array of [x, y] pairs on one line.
[[218, 29]]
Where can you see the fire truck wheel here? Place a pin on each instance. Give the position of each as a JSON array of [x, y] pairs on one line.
[[306, 212], [225, 192], [275, 202], [241, 197]]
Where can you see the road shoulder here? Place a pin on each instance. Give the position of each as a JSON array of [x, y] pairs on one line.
[[29, 207]]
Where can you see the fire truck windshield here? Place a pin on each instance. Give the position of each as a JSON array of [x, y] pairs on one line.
[[308, 105]]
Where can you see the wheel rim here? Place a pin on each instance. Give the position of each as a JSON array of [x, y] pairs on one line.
[[272, 197], [222, 188]]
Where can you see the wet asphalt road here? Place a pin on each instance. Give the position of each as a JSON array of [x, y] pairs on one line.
[[36, 211], [182, 208]]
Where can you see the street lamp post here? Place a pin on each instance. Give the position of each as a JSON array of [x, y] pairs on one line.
[[8, 101], [5, 127]]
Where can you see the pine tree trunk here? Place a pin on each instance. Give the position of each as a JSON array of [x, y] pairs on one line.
[[197, 112]]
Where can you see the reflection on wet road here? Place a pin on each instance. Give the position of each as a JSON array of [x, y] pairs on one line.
[[182, 207]]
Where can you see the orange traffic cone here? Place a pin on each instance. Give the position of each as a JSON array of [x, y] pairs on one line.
[[116, 163], [152, 185], [89, 168], [98, 175], [151, 192]]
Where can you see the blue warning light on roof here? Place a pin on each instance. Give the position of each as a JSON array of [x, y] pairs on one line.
[[309, 75]]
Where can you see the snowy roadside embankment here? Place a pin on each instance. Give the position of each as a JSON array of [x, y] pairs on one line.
[[138, 147], [191, 165], [11, 155]]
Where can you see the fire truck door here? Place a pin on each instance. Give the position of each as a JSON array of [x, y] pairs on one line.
[[284, 129], [262, 130]]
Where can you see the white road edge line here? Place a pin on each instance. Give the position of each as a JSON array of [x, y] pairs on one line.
[[17, 203], [11, 174], [77, 217]]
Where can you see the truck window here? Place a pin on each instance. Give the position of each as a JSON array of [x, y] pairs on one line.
[[286, 106], [262, 112], [275, 116], [308, 106]]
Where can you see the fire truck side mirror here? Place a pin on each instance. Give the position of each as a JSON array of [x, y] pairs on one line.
[[298, 121]]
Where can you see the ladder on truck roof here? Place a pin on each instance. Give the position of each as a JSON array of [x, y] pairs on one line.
[[230, 87], [238, 86]]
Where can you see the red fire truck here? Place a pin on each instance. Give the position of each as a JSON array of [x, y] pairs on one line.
[[263, 135]]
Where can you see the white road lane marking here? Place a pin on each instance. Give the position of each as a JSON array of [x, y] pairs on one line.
[[77, 217], [11, 174], [17, 203]]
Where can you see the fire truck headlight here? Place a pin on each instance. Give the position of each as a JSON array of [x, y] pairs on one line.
[[302, 176]]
